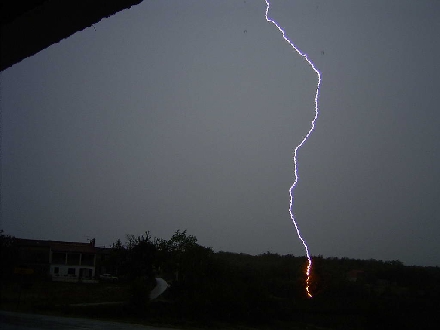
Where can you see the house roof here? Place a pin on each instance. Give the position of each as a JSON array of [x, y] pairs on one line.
[[58, 246], [73, 247]]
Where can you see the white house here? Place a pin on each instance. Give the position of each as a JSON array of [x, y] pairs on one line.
[[62, 261], [72, 261]]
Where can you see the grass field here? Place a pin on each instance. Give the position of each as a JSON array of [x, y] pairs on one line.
[[63, 299], [47, 295], [82, 300]]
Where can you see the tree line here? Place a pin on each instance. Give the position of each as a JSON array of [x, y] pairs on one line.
[[209, 287], [267, 288]]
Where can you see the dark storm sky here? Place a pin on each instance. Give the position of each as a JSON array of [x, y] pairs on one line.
[[184, 115]]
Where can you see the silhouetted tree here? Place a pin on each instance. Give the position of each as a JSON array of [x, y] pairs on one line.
[[8, 254], [140, 256]]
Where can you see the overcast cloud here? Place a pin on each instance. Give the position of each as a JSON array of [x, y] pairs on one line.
[[184, 115]]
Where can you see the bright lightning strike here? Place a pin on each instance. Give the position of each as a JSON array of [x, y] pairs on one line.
[[295, 158]]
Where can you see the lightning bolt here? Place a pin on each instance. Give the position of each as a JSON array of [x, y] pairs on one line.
[[295, 152]]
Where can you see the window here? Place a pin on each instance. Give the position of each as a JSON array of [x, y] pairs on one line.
[[71, 271], [56, 270]]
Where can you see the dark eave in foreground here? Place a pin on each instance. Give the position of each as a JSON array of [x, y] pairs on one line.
[[28, 27]]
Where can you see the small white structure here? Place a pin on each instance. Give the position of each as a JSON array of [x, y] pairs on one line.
[[161, 286]]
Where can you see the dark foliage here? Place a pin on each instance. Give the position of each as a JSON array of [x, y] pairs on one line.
[[8, 254], [210, 288]]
